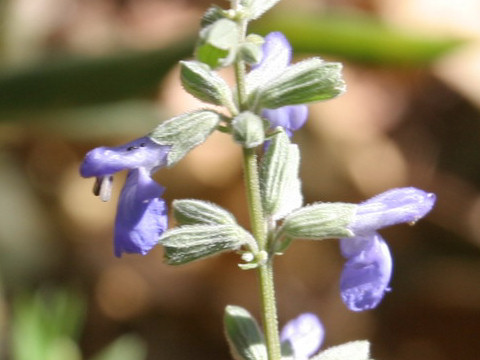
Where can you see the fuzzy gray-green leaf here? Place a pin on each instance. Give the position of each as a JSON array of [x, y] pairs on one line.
[[354, 350], [256, 8], [184, 132], [217, 43], [193, 242], [191, 212], [205, 84], [244, 336]]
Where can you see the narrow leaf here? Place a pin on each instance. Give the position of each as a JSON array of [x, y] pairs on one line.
[[79, 81], [357, 37]]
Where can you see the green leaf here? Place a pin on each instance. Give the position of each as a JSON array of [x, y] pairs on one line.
[[210, 55], [217, 43], [354, 350], [244, 336], [184, 132], [193, 212], [280, 184], [248, 129], [320, 221], [205, 84], [49, 322], [193, 242], [357, 37], [304, 82]]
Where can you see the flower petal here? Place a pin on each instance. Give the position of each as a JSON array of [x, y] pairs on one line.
[[305, 335], [141, 214], [291, 117], [395, 206], [277, 54], [353, 246], [142, 152], [366, 275]]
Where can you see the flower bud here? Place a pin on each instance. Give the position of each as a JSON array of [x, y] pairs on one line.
[[248, 129], [304, 82], [320, 221]]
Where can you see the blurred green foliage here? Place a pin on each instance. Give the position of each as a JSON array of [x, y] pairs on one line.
[[84, 81], [47, 325], [74, 82]]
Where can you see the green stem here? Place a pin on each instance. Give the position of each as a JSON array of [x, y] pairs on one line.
[[270, 321], [257, 219], [255, 209], [240, 72], [265, 271]]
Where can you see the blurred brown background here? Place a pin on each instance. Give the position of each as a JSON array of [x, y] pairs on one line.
[[398, 125]]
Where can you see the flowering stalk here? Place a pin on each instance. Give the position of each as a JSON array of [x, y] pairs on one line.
[[268, 105], [257, 220]]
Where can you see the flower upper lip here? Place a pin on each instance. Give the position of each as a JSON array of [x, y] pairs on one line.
[[142, 152]]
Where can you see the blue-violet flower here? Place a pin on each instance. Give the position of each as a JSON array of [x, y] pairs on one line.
[[141, 213], [305, 335], [277, 55], [367, 272]]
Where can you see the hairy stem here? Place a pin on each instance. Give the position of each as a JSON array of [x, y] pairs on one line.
[[265, 271], [257, 218]]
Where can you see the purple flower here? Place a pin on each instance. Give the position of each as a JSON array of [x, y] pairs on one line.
[[367, 272], [141, 213], [305, 335], [277, 55], [291, 117]]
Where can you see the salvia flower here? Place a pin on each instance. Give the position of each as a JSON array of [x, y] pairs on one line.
[[277, 56], [305, 334], [141, 213], [367, 272]]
